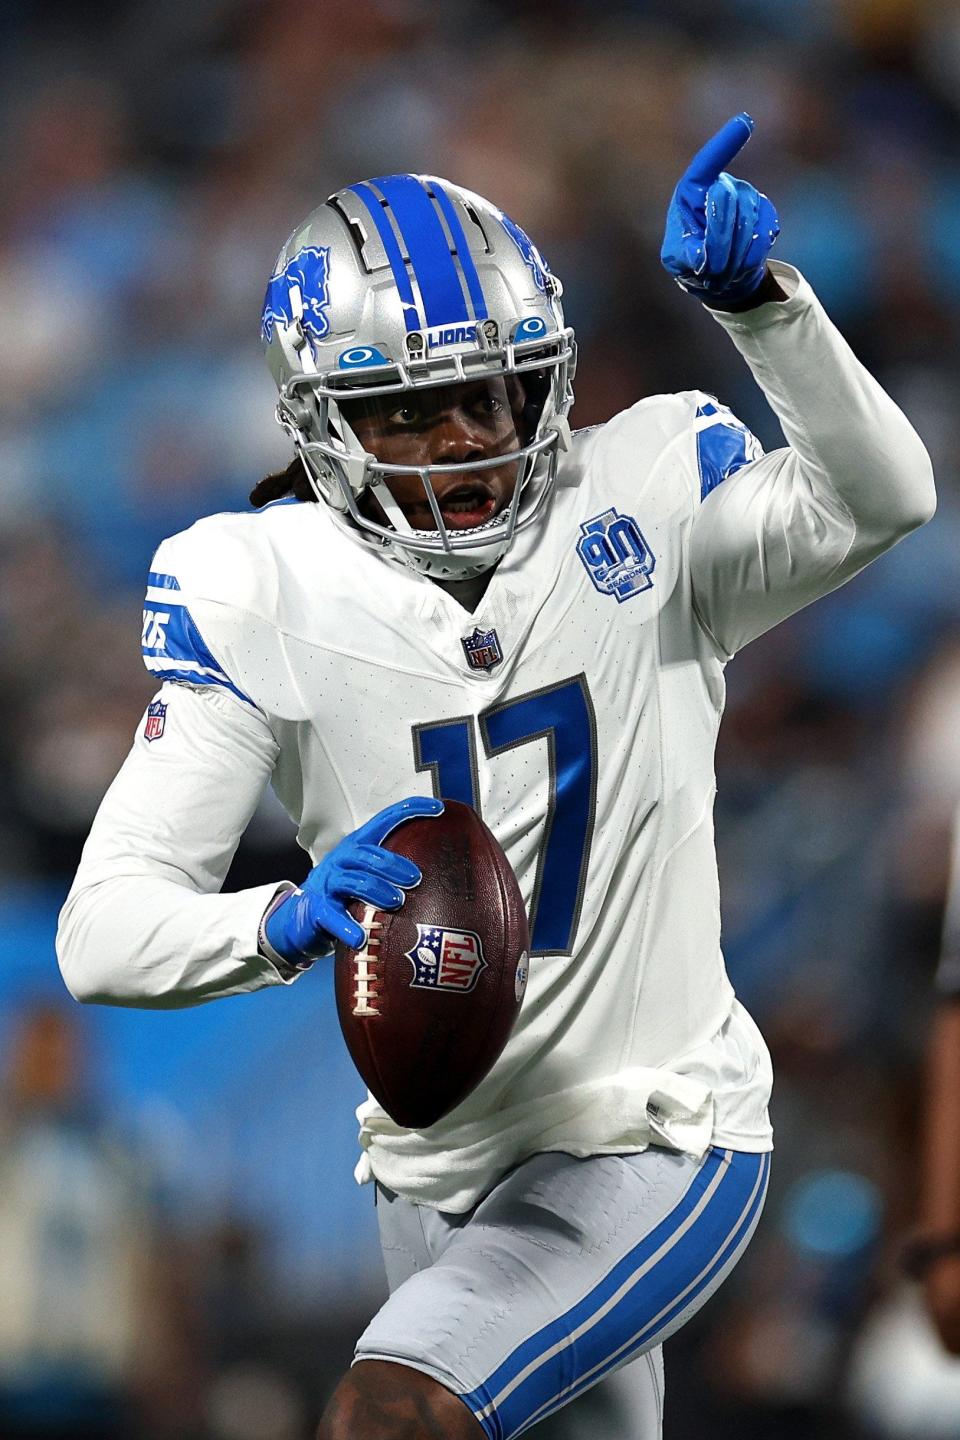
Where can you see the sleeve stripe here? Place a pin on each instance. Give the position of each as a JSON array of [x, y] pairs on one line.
[[702, 422], [159, 596], [178, 671], [173, 647], [157, 580], [164, 663], [724, 446]]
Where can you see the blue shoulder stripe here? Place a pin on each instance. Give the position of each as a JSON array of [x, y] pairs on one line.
[[173, 648], [723, 448]]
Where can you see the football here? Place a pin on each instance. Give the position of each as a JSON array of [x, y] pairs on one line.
[[428, 1003]]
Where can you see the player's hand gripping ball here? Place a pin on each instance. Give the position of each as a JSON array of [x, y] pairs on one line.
[[309, 919], [719, 229], [427, 1001]]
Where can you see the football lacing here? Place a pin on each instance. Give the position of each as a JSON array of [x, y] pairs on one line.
[[366, 960]]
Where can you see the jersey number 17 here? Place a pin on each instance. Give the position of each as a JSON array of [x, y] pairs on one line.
[[562, 718]]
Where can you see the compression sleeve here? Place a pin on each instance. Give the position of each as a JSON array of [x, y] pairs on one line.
[[143, 924], [787, 528]]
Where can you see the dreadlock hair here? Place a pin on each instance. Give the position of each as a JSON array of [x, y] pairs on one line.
[[292, 481]]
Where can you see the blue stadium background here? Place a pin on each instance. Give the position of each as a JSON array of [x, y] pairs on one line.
[[153, 159]]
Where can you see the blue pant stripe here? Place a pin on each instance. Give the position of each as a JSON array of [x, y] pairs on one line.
[[646, 1336], [709, 1220], [401, 279], [427, 246], [557, 1331]]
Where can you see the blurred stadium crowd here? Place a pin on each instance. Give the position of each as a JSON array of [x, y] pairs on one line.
[[181, 1247]]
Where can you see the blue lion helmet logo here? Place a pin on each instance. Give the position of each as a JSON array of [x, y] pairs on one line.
[[309, 270], [531, 255]]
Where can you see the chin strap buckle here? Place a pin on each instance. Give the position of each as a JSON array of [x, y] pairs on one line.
[[560, 426]]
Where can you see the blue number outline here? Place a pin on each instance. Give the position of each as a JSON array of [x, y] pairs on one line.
[[549, 733], [464, 723], [464, 726]]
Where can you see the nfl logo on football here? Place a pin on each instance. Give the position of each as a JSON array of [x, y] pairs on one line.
[[482, 649], [156, 719], [445, 959]]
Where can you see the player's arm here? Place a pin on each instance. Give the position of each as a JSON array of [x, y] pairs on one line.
[[144, 923], [855, 478]]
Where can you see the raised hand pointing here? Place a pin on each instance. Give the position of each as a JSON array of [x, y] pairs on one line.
[[719, 230], [720, 149]]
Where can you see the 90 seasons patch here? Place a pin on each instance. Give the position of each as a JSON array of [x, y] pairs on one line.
[[615, 555]]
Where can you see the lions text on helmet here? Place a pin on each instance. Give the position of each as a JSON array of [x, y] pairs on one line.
[[425, 371]]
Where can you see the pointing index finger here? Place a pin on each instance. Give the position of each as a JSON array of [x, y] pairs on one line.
[[719, 150]]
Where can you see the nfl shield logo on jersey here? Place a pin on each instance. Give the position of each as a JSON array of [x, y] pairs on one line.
[[445, 959], [482, 649], [615, 555], [156, 719]]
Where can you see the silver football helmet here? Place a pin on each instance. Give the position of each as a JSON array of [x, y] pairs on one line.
[[401, 284]]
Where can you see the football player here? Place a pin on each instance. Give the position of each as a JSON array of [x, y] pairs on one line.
[[454, 596]]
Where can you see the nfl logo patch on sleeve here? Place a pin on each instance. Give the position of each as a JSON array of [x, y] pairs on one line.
[[156, 720]]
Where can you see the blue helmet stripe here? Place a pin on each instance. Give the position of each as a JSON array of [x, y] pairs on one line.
[[427, 246], [480, 311], [402, 280]]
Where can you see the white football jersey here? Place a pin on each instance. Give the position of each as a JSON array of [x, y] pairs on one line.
[[576, 708]]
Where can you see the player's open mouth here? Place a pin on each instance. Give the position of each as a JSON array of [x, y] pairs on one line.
[[464, 506]]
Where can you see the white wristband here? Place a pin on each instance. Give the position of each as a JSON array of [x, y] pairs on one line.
[[286, 968]]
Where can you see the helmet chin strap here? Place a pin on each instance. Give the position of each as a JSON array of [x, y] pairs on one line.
[[382, 492], [452, 568]]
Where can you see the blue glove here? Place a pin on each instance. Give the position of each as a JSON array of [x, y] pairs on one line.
[[719, 230], [307, 921]]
